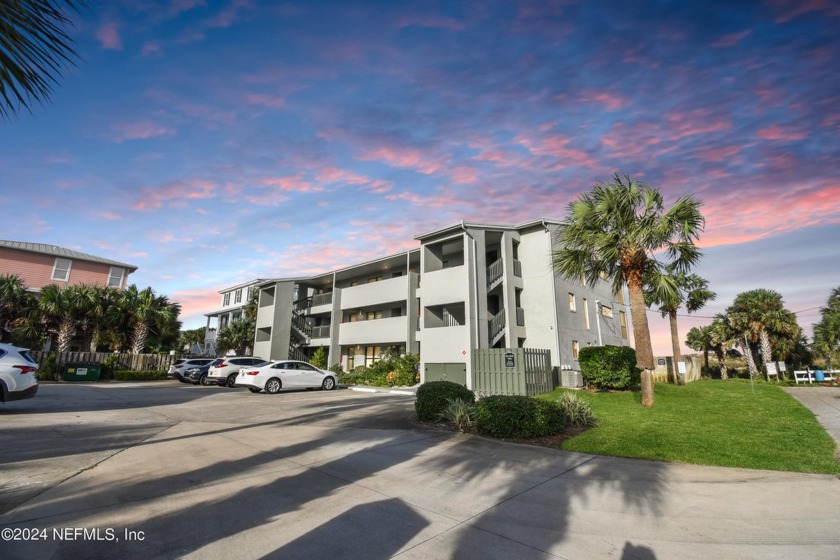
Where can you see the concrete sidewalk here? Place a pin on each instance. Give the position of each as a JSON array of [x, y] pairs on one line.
[[824, 402], [225, 491]]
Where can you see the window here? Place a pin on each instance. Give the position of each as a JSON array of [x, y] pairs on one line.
[[61, 269], [572, 304], [237, 296], [226, 299], [623, 318], [620, 297], [396, 312], [606, 311], [115, 277], [354, 283], [586, 313], [249, 292], [351, 359], [372, 355], [575, 349], [372, 315], [373, 279]]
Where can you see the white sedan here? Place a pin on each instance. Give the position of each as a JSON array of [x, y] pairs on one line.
[[286, 374]]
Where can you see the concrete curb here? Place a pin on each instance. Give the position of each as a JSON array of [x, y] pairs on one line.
[[408, 392]]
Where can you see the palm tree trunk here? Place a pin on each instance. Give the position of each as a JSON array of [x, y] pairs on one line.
[[64, 336], [675, 343], [641, 335], [766, 349], [706, 359], [138, 340], [724, 373], [750, 360]]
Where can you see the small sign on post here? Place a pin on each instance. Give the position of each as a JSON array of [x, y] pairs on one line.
[[510, 360], [771, 370]]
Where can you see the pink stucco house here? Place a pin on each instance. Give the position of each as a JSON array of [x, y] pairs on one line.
[[39, 265]]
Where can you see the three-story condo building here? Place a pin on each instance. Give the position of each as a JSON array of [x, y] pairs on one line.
[[467, 286]]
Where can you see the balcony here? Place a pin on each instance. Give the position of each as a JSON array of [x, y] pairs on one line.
[[321, 332], [496, 327], [445, 286], [377, 331], [375, 293], [520, 317]]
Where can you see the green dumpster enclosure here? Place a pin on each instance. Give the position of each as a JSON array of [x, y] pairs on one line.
[[81, 372]]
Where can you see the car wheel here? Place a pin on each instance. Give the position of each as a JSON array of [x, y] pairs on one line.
[[254, 389], [231, 380], [328, 384], [204, 380], [273, 386]]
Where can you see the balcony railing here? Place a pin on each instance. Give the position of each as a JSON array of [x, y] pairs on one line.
[[321, 332], [495, 271], [299, 322], [496, 325], [520, 317], [517, 268], [321, 299]]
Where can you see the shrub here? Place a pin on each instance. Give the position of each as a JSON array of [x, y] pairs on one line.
[[576, 411], [609, 367], [47, 370], [432, 398], [460, 413], [137, 375], [319, 358], [517, 417]]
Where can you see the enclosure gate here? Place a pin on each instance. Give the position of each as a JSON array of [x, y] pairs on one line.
[[511, 371]]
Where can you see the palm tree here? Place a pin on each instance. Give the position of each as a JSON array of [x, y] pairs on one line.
[[147, 313], [15, 301], [755, 315], [59, 311], [34, 49], [238, 336], [700, 339], [723, 338], [190, 337], [672, 289], [614, 231], [827, 330]]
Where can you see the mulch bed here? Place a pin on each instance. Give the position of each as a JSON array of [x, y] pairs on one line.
[[554, 442]]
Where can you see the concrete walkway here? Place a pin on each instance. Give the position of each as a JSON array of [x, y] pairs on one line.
[[824, 402]]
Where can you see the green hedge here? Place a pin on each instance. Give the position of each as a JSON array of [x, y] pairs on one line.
[[135, 375], [432, 398], [609, 367], [518, 417]]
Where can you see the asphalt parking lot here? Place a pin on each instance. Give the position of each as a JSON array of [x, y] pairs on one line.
[[165, 470]]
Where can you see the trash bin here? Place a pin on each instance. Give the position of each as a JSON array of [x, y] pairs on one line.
[[81, 372], [820, 375]]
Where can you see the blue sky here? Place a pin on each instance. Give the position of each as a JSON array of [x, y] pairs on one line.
[[210, 143]]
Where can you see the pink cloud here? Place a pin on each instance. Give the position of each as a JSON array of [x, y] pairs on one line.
[[175, 193], [108, 35], [109, 215], [196, 302], [732, 39], [410, 158], [430, 21], [229, 15], [684, 124], [142, 129], [263, 100], [792, 9], [464, 174], [331, 174], [718, 154], [777, 133], [611, 101], [151, 48], [290, 184], [557, 146]]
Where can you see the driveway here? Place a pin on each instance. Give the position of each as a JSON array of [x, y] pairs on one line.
[[163, 470]]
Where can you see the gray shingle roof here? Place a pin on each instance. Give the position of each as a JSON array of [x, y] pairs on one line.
[[45, 249]]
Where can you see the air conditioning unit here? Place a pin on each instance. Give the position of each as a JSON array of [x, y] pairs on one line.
[[572, 379]]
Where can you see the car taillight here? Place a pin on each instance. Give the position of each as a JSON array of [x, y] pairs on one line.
[[254, 372], [26, 369]]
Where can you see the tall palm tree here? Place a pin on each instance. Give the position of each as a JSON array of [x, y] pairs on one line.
[[700, 339], [614, 231], [15, 301], [34, 49], [827, 330], [671, 290], [147, 312], [756, 314]]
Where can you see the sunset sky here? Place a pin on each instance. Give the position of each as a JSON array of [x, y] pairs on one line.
[[210, 143]]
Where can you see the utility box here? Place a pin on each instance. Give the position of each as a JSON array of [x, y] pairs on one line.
[[81, 372], [570, 378]]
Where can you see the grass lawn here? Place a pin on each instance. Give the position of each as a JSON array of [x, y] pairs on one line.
[[719, 423]]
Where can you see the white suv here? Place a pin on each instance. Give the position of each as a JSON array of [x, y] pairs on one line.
[[224, 374], [17, 374]]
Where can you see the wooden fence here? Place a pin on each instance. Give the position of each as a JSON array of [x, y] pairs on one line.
[[126, 360], [511, 371]]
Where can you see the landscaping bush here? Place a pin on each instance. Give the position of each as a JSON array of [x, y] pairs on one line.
[[460, 413], [518, 417], [47, 370], [609, 367], [136, 375], [576, 411], [432, 398], [392, 370]]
